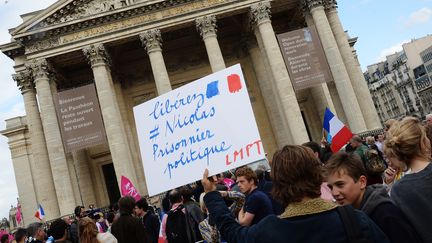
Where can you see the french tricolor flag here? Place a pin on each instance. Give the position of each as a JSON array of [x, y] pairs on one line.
[[337, 133], [40, 214]]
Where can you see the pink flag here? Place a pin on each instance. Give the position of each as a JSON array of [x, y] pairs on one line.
[[128, 189], [18, 215]]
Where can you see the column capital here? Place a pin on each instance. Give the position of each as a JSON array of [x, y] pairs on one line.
[[97, 54], [331, 5], [151, 40], [311, 4], [40, 68], [24, 80], [260, 13], [206, 26]]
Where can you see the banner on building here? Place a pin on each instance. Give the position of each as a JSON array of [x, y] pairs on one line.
[[304, 58], [208, 123], [80, 118]]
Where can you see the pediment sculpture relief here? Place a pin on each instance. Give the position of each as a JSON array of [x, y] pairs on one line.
[[82, 9]]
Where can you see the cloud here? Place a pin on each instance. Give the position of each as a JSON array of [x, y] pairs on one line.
[[391, 50], [420, 16]]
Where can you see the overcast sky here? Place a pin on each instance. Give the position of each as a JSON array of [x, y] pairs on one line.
[[381, 25]]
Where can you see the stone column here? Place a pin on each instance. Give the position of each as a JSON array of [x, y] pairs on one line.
[[135, 150], [152, 42], [114, 126], [84, 177], [207, 28], [54, 143], [260, 17], [358, 81], [337, 67], [41, 168], [266, 84]]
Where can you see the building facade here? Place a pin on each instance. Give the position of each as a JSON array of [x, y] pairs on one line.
[[134, 50], [396, 84], [423, 79]]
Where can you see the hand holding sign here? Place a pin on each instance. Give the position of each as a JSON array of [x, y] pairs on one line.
[[209, 183]]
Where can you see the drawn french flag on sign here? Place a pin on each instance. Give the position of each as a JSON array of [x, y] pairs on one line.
[[40, 214], [337, 133]]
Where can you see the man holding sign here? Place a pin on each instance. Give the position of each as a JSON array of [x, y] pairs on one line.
[[297, 180]]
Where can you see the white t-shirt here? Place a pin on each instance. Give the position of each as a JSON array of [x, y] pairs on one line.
[[106, 238]]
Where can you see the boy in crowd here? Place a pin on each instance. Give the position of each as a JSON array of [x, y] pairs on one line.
[[149, 219], [346, 177], [36, 233], [257, 203]]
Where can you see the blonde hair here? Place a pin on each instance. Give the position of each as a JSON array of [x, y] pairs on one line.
[[389, 123], [87, 231], [407, 140], [370, 140]]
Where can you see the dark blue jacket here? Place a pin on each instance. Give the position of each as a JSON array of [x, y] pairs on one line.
[[321, 227]]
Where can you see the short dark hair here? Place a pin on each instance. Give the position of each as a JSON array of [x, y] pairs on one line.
[[4, 238], [350, 163], [186, 193], [260, 174], [77, 211], [314, 146], [20, 234], [142, 204], [248, 173], [296, 173], [227, 174], [126, 205], [356, 138], [166, 205], [110, 217], [33, 228], [114, 207], [174, 196], [57, 229]]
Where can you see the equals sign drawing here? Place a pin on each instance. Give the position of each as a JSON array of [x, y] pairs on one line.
[[154, 133]]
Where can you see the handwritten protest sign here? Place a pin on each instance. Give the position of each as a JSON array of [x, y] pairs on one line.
[[208, 123]]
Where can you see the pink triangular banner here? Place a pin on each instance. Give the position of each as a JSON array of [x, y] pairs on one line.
[[128, 189]]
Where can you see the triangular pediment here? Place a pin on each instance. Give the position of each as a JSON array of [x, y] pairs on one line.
[[64, 12], [39, 17]]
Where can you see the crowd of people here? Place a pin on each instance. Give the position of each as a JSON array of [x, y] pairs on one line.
[[376, 189]]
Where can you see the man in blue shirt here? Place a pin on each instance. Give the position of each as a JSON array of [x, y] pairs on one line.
[[257, 204]]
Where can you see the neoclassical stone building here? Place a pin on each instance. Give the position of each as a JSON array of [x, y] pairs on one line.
[[400, 85], [133, 50]]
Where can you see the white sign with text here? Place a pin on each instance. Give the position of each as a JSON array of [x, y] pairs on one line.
[[208, 123]]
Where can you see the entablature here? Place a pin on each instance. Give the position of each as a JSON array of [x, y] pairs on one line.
[[53, 35]]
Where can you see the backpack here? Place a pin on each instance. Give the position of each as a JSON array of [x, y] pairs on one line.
[[179, 227], [352, 227], [374, 163]]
